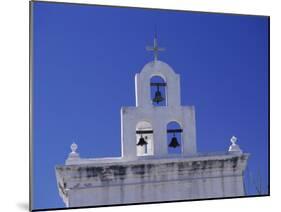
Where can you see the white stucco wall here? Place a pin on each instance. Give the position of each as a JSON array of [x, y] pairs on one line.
[[157, 116], [152, 180]]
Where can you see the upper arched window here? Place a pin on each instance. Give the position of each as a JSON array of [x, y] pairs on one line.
[[174, 138], [144, 138], [158, 91]]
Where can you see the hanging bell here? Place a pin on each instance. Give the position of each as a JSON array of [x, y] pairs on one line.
[[141, 142], [158, 96], [174, 142]]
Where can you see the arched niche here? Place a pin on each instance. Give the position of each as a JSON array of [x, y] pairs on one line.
[[174, 138], [142, 84], [144, 138], [158, 92]]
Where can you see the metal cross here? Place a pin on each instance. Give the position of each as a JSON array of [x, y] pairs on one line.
[[155, 48]]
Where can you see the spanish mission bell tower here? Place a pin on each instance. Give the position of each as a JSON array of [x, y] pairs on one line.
[[158, 116], [159, 159]]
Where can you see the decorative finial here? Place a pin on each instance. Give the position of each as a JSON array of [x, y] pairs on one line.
[[155, 48], [234, 148], [73, 155], [73, 147], [233, 140]]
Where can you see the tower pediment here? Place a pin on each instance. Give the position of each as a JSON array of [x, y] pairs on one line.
[[157, 67]]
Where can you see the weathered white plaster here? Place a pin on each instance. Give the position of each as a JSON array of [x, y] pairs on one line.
[[153, 180]]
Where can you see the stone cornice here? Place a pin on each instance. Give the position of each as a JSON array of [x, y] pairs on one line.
[[115, 173]]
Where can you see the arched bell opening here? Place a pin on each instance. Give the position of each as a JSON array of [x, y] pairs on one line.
[[144, 138], [174, 138], [158, 91]]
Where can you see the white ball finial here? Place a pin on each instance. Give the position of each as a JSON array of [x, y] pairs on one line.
[[73, 155], [234, 148], [74, 147], [233, 140]]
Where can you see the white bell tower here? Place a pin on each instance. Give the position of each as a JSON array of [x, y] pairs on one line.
[[144, 128], [158, 135]]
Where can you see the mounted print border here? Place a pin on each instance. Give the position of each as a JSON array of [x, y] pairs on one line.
[[137, 105]]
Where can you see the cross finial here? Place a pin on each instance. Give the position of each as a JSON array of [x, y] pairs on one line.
[[155, 48]]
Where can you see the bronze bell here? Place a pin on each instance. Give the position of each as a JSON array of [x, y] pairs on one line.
[[174, 142], [141, 142], [158, 96]]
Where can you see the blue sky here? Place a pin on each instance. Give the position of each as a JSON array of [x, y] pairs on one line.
[[85, 59]]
